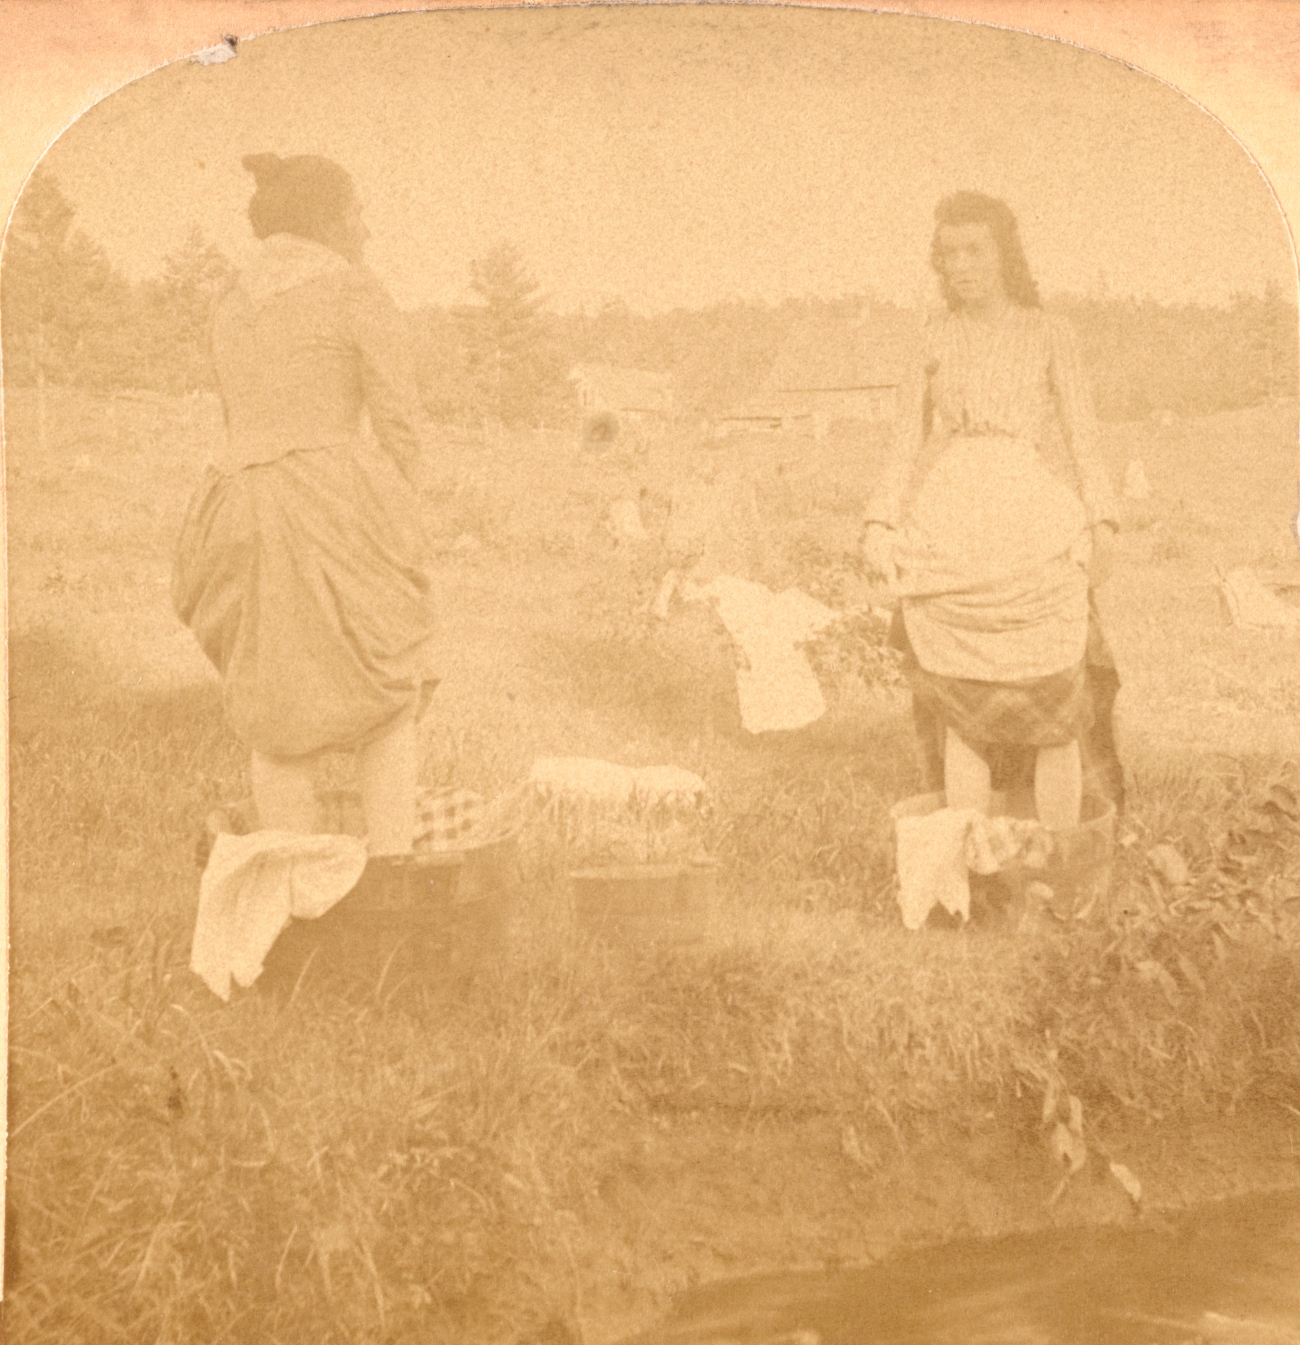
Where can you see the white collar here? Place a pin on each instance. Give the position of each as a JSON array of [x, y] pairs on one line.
[[283, 262]]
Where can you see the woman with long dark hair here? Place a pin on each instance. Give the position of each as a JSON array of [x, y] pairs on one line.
[[301, 564], [995, 519]]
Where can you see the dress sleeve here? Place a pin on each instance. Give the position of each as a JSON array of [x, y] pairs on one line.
[[386, 380], [885, 504], [1079, 423]]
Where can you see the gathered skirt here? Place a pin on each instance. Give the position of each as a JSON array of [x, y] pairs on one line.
[[994, 566], [305, 582]]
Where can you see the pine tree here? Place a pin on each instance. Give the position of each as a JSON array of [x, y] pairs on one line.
[[66, 313], [515, 371], [175, 312], [33, 288]]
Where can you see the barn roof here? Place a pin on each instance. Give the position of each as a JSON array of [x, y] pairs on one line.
[[839, 353]]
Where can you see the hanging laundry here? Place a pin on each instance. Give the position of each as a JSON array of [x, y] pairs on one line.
[[1136, 485], [1251, 603], [624, 521], [775, 683]]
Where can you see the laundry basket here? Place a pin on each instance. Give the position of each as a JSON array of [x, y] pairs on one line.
[[1078, 871]]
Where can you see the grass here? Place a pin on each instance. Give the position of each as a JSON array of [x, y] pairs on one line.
[[550, 1154]]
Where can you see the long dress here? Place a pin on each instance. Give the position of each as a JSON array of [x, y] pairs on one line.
[[994, 484], [301, 564]]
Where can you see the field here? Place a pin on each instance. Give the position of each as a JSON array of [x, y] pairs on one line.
[[551, 1155]]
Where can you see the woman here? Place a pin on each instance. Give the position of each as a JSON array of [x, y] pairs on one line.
[[300, 568], [995, 518]]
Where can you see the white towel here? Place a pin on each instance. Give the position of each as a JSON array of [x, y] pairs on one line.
[[252, 886], [932, 867], [583, 777]]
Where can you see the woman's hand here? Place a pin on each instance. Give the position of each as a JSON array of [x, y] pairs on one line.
[[879, 554], [1103, 554]]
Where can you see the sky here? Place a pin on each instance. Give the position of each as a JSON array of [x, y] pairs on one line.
[[676, 156]]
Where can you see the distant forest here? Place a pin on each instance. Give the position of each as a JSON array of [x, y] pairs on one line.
[[69, 317]]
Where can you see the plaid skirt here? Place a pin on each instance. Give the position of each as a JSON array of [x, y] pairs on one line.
[[985, 715]]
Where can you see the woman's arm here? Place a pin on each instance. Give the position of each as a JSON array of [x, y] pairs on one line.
[[386, 380], [1079, 424]]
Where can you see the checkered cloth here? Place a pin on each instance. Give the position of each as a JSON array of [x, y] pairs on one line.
[[449, 819], [997, 843], [445, 819]]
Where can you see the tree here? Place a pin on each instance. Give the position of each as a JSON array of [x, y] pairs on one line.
[[441, 363], [62, 304], [33, 287], [514, 368], [175, 311]]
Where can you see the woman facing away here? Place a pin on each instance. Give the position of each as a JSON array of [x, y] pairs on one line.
[[994, 518], [301, 567]]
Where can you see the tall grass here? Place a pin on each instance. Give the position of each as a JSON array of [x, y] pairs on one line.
[[341, 1170], [502, 1163]]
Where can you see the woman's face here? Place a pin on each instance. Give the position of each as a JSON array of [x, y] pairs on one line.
[[972, 264]]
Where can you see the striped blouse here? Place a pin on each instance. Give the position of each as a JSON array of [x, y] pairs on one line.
[[1021, 377]]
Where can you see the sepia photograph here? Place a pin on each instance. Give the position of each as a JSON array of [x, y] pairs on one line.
[[653, 693]]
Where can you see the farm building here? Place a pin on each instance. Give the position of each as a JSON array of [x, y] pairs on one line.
[[836, 370], [755, 416], [636, 398]]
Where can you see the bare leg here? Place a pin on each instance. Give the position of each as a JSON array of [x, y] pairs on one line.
[[284, 792], [1058, 786], [966, 780], [387, 769]]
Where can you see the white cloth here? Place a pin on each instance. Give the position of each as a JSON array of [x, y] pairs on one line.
[[1250, 603], [932, 867], [283, 262], [624, 521], [994, 565], [615, 786], [1136, 485], [252, 886], [939, 850], [775, 683]]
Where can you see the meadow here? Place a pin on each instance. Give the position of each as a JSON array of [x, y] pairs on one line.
[[551, 1154]]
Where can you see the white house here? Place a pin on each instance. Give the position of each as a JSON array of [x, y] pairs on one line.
[[636, 398], [836, 370]]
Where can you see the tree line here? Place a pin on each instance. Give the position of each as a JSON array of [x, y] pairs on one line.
[[69, 317]]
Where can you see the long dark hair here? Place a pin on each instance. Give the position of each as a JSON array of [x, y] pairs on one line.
[[972, 207]]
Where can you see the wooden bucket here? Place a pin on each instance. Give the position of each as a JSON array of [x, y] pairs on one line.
[[1079, 873], [641, 905]]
